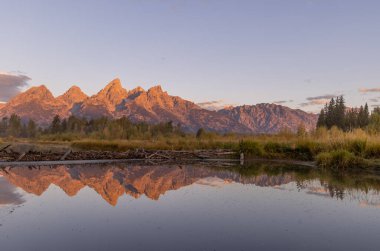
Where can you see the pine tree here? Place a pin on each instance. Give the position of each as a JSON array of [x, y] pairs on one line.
[[339, 114], [330, 118], [55, 126], [3, 126], [14, 126], [321, 119], [31, 129], [366, 115], [351, 120]]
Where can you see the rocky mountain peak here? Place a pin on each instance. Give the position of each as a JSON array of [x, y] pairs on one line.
[[135, 92], [113, 85], [155, 90], [154, 106], [270, 118], [73, 95], [113, 93], [34, 93]]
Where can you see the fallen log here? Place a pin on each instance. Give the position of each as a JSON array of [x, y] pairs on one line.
[[4, 148], [65, 155], [21, 156]]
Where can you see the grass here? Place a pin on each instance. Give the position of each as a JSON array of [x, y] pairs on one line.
[[329, 148], [340, 159], [168, 144]]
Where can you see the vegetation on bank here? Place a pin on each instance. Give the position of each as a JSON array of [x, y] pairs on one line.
[[329, 148], [343, 138]]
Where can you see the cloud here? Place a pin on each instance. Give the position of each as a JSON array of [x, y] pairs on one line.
[[366, 90], [315, 102], [318, 100], [11, 84], [282, 101], [374, 100], [214, 105], [327, 96]]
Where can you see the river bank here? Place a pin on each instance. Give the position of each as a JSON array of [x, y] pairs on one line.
[[325, 149]]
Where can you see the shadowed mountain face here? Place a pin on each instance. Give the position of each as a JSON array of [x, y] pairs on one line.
[[153, 106]]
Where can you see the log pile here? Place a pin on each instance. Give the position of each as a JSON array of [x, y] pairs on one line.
[[8, 155]]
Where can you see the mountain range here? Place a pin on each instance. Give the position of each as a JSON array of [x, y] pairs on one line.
[[153, 106]]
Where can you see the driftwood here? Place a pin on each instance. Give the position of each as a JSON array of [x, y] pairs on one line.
[[65, 155], [21, 156], [161, 155], [4, 148]]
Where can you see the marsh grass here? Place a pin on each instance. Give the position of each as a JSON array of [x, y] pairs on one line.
[[327, 147], [340, 159]]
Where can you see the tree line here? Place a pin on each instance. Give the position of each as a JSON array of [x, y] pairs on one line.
[[336, 114], [102, 128]]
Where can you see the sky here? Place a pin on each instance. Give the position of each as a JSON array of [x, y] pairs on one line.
[[296, 53]]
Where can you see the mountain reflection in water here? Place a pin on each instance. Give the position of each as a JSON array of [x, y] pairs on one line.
[[111, 181]]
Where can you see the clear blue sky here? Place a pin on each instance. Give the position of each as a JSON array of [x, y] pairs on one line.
[[241, 52]]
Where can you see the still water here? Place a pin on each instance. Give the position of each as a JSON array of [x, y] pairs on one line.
[[261, 206]]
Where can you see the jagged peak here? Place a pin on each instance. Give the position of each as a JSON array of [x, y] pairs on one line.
[[114, 84], [75, 90], [38, 88], [113, 87], [138, 89], [37, 91], [136, 92], [73, 95], [155, 90]]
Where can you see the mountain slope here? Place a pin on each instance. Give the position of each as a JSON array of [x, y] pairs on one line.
[[103, 103], [270, 118], [153, 106], [156, 106], [37, 103], [73, 96]]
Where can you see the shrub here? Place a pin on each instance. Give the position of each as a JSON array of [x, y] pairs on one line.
[[274, 147], [304, 151], [357, 146], [372, 151], [339, 159], [251, 148]]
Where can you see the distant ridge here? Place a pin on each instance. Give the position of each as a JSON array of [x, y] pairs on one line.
[[153, 106]]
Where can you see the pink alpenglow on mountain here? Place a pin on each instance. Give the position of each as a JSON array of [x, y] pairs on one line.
[[153, 106]]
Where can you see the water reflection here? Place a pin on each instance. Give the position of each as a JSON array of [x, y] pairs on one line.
[[111, 181], [9, 194]]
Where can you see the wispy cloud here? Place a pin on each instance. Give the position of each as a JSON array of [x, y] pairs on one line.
[[366, 90], [374, 100], [282, 101], [11, 84], [327, 96], [214, 105], [318, 100]]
